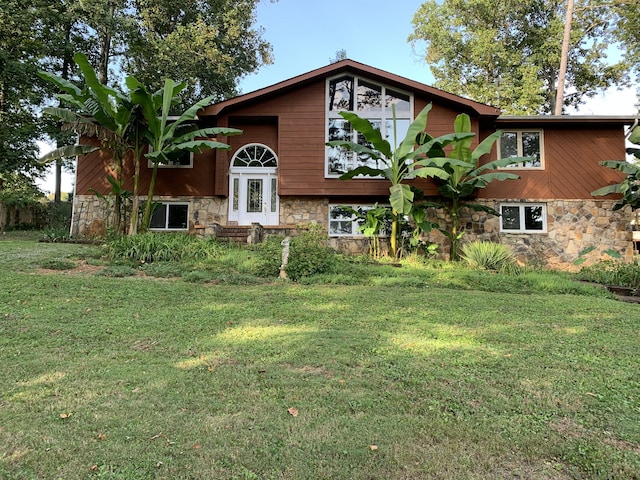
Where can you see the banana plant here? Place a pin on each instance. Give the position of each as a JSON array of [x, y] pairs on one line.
[[168, 136], [399, 163], [466, 175], [95, 110]]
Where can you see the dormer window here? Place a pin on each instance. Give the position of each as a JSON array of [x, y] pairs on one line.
[[369, 100]]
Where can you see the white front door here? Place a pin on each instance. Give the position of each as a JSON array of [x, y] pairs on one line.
[[253, 186], [254, 198]]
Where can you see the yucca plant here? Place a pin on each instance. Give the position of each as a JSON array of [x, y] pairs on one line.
[[487, 255]]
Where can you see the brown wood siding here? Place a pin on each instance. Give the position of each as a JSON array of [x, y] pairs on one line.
[[572, 167], [300, 144], [93, 169]]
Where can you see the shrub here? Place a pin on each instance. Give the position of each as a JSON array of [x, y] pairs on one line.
[[487, 255], [310, 255], [268, 257], [610, 272], [153, 247]]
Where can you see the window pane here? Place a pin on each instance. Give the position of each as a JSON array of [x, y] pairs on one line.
[[402, 127], [510, 217], [254, 195], [341, 94], [340, 159], [236, 187], [369, 97], [509, 145], [159, 217], [400, 100], [178, 216], [180, 158], [362, 158], [531, 147], [340, 221], [274, 194], [533, 218]]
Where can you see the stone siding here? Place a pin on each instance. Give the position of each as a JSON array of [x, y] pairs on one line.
[[91, 219], [572, 226]]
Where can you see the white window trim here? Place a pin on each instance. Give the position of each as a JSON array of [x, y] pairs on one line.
[[522, 228], [354, 222], [519, 132], [382, 116], [166, 228], [162, 165]]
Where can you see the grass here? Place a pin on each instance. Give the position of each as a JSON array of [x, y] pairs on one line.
[[407, 373]]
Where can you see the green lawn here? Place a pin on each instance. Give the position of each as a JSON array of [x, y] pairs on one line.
[[153, 378]]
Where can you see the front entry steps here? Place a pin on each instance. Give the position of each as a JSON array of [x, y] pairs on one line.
[[241, 234]]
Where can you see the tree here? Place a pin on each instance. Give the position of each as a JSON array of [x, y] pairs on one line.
[[167, 137], [507, 52], [340, 55], [210, 44], [400, 162]]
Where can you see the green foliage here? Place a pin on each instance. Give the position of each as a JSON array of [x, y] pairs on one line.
[[309, 254], [152, 247], [611, 272], [267, 259], [487, 255], [465, 174], [518, 73], [118, 271]]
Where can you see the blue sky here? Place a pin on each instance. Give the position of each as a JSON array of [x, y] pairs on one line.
[[306, 34]]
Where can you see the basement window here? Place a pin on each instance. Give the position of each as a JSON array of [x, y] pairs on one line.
[[523, 218], [170, 216]]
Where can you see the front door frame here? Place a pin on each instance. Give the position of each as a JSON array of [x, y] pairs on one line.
[[239, 179]]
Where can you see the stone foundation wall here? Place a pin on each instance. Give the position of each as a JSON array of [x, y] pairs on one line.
[[572, 226], [91, 218]]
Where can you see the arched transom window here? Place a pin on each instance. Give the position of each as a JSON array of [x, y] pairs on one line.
[[255, 155]]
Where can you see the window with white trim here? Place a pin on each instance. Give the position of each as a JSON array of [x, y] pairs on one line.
[[170, 216], [183, 159], [522, 143], [523, 218], [369, 100], [344, 223]]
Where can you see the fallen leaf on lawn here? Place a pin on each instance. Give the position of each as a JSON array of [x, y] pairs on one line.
[[196, 446], [293, 412], [94, 468], [102, 436], [340, 382], [65, 415], [156, 436], [373, 447]]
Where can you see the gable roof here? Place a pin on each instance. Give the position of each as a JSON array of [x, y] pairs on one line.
[[355, 68]]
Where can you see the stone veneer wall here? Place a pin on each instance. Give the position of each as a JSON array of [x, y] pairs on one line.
[[572, 226], [205, 213]]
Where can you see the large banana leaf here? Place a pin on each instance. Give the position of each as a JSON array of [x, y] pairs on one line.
[[401, 198], [416, 128], [356, 147], [67, 151]]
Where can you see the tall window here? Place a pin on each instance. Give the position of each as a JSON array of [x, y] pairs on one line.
[[369, 100], [522, 143], [523, 218], [170, 216]]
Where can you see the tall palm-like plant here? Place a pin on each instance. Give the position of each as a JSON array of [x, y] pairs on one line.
[[466, 175], [95, 110], [167, 136], [401, 162]]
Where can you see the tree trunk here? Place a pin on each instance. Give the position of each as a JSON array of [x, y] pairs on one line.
[[564, 58], [146, 217]]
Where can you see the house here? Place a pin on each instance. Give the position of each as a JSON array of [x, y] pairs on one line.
[[279, 173]]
